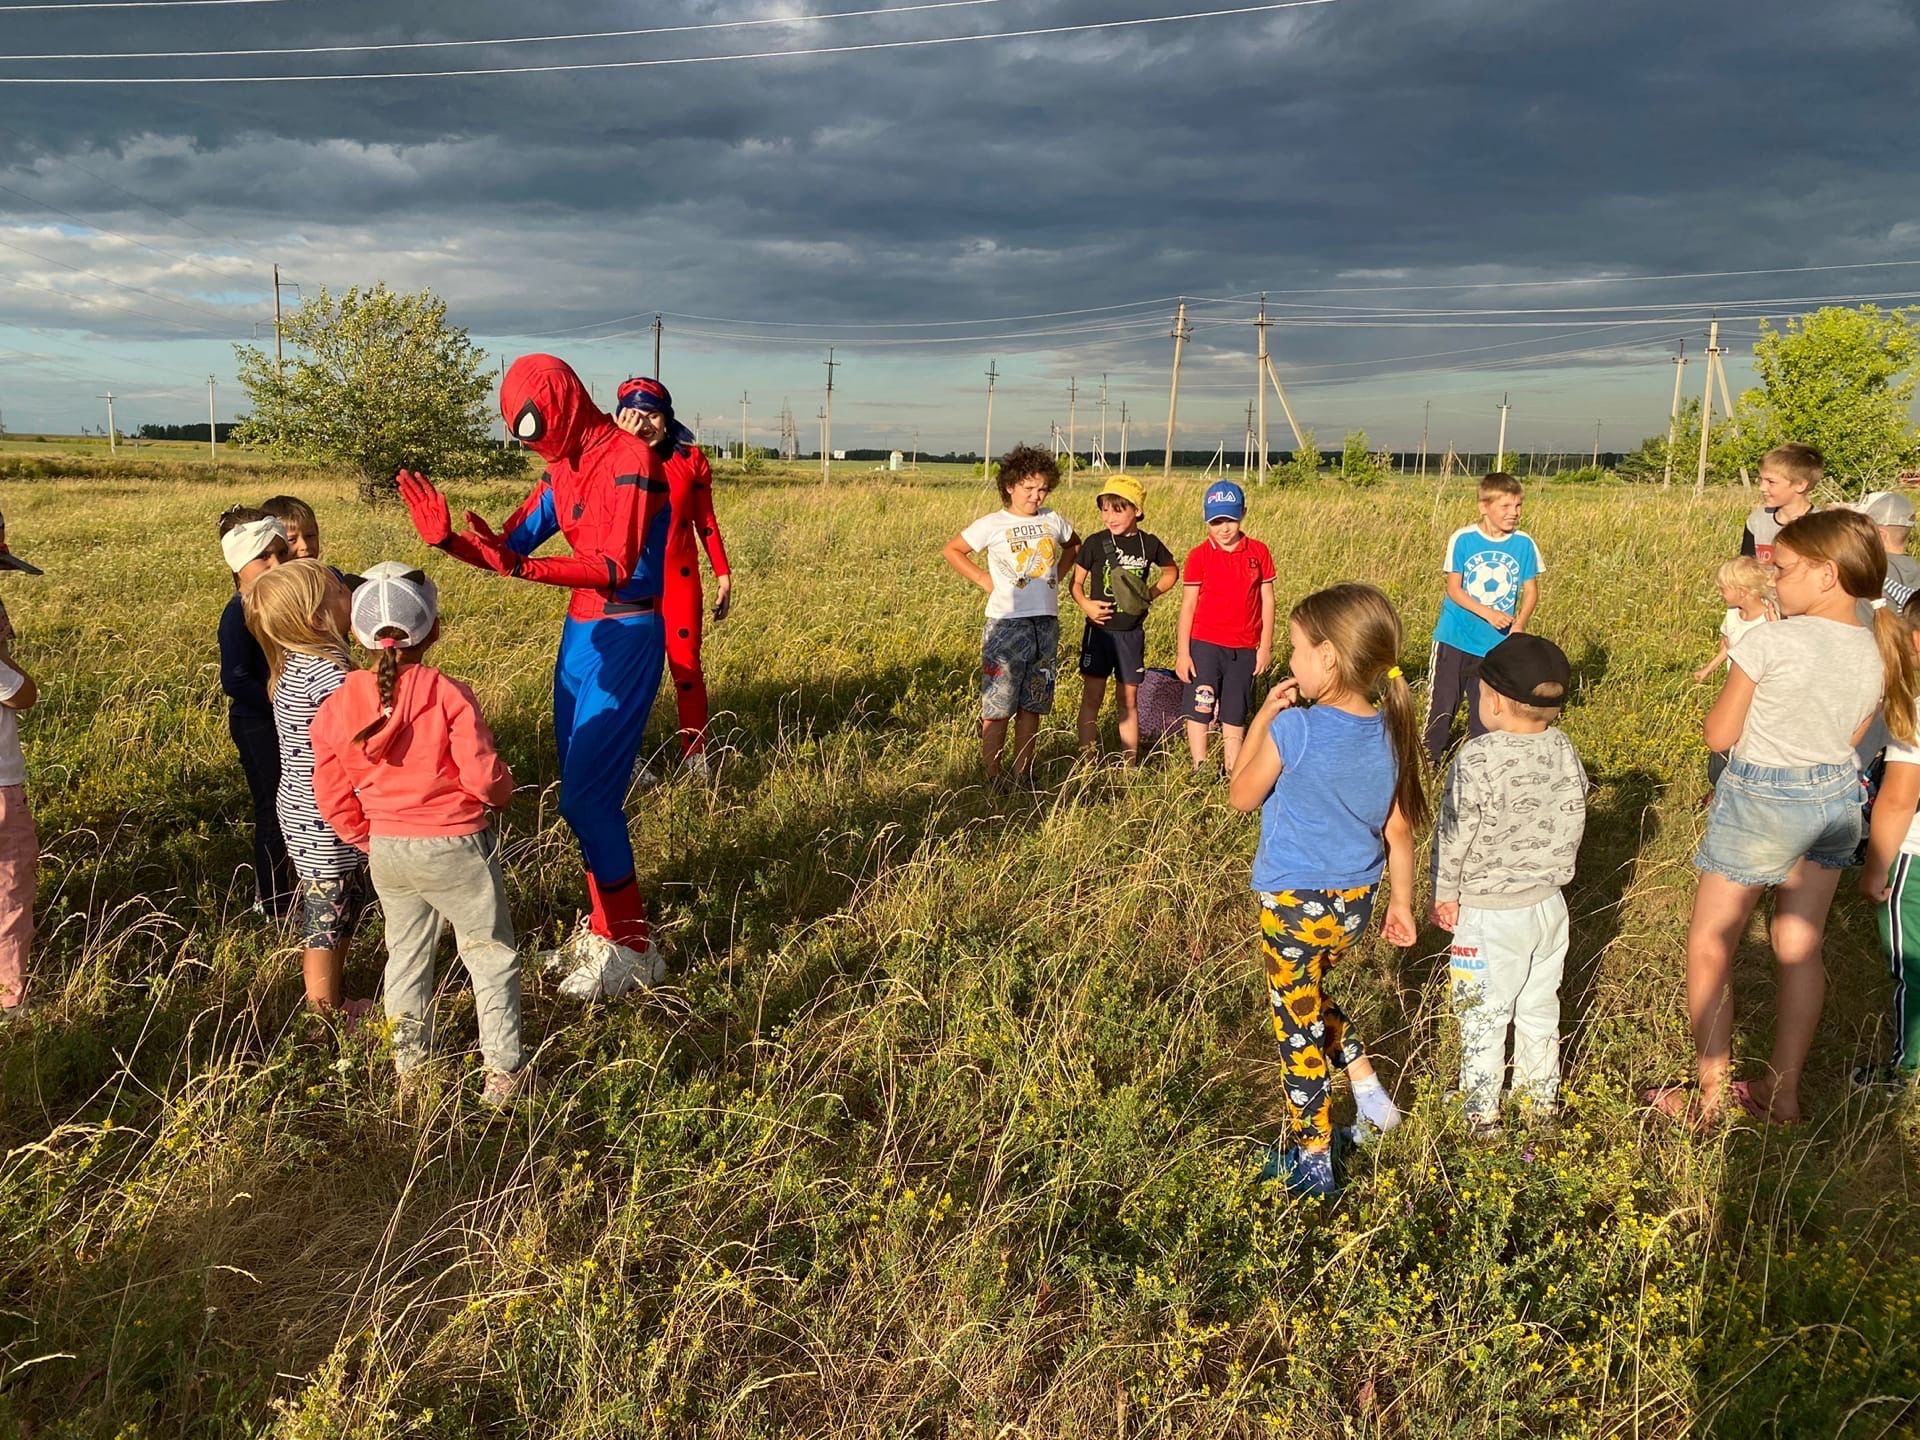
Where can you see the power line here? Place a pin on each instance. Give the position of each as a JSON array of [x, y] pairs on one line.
[[511, 39], [132, 4], [1033, 32]]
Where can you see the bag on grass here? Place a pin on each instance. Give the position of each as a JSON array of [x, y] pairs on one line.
[[1158, 703]]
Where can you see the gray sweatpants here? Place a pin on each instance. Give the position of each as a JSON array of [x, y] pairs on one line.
[[455, 879]]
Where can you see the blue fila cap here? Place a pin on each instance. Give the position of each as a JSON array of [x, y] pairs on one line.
[[1225, 501]]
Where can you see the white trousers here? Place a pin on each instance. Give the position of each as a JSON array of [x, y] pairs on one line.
[[1506, 967]]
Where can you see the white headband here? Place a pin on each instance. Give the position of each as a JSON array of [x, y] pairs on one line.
[[245, 543]]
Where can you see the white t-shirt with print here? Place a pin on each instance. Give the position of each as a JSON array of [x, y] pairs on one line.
[[1814, 682], [1023, 557]]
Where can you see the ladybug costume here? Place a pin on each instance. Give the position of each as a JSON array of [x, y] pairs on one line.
[[690, 492], [607, 494]]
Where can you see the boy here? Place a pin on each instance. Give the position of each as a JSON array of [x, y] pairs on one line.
[[1493, 571], [19, 844], [296, 517], [1027, 546], [1509, 828], [1111, 587], [1788, 474], [1225, 634], [1892, 515], [253, 542]]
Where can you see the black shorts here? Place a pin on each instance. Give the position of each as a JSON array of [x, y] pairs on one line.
[[1222, 684], [1105, 652]]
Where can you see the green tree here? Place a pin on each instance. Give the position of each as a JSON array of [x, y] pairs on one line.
[[1302, 467], [376, 380], [1358, 464], [1842, 379]]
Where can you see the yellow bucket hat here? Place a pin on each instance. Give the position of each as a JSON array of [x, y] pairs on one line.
[[1123, 487]]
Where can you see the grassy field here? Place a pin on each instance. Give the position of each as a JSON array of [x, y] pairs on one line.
[[942, 1126]]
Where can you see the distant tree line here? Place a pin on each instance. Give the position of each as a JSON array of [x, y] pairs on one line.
[[189, 432]]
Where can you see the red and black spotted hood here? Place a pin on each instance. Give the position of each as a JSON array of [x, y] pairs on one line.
[[548, 410]]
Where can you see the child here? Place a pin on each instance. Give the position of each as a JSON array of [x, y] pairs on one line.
[[1225, 633], [1510, 826], [299, 612], [1027, 546], [303, 531], [1788, 475], [1111, 587], [1887, 879], [1786, 813], [1493, 571], [1338, 788], [1892, 516], [19, 842], [404, 766], [1746, 589], [252, 543]]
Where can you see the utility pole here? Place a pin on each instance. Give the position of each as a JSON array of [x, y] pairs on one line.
[[743, 425], [1180, 334], [1596, 444], [915, 463], [656, 345], [212, 452], [1500, 455], [993, 374], [1719, 368], [826, 423], [1103, 421], [113, 435], [1299, 440], [1073, 401], [1259, 386], [279, 362], [1673, 413], [1706, 408], [1246, 463], [1426, 420], [1123, 435]]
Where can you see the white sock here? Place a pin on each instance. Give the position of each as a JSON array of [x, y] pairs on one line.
[[1371, 1097]]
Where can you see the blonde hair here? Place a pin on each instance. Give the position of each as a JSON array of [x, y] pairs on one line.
[[1802, 464], [1499, 482], [289, 616], [1363, 628], [1850, 542], [1745, 575]]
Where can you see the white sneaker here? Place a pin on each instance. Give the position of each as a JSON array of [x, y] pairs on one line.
[[609, 971], [568, 955]]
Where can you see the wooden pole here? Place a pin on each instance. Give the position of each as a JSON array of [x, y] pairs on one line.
[[1299, 440], [1500, 453], [1073, 403], [1673, 416], [1706, 411], [1260, 390], [213, 452], [1123, 435], [993, 374], [1180, 333], [1726, 405], [656, 346], [826, 423]]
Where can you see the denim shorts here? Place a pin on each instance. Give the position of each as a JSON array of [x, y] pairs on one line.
[[1019, 657], [1763, 820]]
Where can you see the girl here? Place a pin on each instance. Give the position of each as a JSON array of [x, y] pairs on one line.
[[1887, 878], [299, 613], [405, 767], [1338, 790], [1746, 589], [1798, 697], [252, 543]]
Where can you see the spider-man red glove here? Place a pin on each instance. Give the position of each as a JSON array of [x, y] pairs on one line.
[[491, 551], [426, 507]]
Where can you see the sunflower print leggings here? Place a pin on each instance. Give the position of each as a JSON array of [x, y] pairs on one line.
[[1302, 932]]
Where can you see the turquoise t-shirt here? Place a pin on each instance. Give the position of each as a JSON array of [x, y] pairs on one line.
[[1492, 572], [1324, 825]]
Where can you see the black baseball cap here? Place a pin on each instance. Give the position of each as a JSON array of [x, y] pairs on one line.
[[1530, 669]]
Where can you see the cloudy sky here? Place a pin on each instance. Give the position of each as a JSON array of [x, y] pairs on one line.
[[1445, 200]]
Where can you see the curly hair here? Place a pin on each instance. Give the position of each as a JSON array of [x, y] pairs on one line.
[[1022, 461]]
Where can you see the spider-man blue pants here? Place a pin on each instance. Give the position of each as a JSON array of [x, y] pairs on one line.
[[604, 682]]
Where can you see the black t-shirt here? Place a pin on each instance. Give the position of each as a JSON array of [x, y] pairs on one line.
[[1137, 555]]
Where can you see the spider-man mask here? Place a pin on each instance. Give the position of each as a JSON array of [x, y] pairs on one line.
[[546, 407]]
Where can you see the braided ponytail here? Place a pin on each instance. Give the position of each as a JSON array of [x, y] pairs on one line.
[[387, 669]]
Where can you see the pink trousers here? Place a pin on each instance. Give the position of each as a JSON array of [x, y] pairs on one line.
[[19, 861]]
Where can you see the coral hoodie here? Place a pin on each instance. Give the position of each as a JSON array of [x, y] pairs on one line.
[[429, 771]]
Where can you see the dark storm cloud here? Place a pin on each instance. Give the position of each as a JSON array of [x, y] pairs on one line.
[[1467, 141]]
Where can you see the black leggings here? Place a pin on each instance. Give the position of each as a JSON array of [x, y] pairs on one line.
[[259, 746]]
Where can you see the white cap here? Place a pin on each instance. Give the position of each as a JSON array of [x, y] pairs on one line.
[[394, 596], [1886, 507], [247, 542]]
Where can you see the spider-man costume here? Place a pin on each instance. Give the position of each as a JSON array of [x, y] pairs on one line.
[[607, 494], [690, 490]]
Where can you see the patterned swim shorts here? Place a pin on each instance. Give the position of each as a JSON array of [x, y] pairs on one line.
[[1019, 658]]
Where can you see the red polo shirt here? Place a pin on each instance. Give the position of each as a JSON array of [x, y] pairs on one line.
[[1227, 611]]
